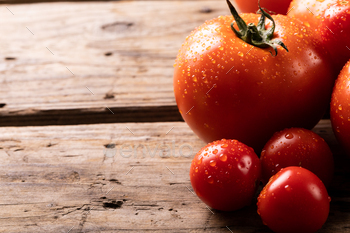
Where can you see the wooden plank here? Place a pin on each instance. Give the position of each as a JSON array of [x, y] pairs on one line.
[[36, 1], [64, 60], [58, 178]]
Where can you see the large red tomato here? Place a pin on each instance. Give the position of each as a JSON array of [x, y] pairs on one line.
[[340, 108], [225, 174], [297, 147], [251, 6], [294, 200], [227, 88], [331, 18]]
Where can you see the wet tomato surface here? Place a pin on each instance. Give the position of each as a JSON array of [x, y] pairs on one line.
[[330, 19], [297, 147], [225, 174], [294, 200], [340, 108], [273, 6], [227, 88]]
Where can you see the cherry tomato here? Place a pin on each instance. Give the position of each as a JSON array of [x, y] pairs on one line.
[[227, 88], [340, 109], [225, 174], [331, 19], [297, 147], [274, 6], [294, 200]]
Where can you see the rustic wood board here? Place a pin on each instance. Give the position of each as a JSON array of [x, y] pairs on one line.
[[58, 178], [36, 1], [70, 63]]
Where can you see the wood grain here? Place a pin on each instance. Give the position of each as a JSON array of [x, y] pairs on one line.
[[58, 177], [62, 61], [36, 1]]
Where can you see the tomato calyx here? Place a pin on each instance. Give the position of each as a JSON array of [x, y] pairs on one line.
[[256, 35]]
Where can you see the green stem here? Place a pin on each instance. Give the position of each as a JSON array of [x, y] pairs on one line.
[[256, 35]]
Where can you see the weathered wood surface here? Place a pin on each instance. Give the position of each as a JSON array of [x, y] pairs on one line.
[[36, 1], [57, 178], [67, 63], [100, 62]]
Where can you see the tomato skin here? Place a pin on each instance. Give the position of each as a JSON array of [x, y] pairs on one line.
[[224, 174], [273, 6], [226, 88], [331, 20], [297, 147], [294, 200], [340, 109]]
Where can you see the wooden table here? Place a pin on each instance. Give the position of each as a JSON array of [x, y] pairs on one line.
[[91, 138]]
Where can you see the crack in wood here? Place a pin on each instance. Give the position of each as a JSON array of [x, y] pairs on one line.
[[115, 181], [113, 204], [117, 26], [83, 219], [37, 117]]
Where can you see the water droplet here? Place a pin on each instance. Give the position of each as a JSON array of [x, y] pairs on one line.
[[288, 188], [221, 48], [210, 180], [340, 107], [289, 135], [194, 78], [223, 157], [212, 163], [329, 199], [208, 47], [200, 160], [224, 146], [196, 170], [215, 151]]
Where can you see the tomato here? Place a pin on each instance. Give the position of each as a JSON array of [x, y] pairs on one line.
[[274, 6], [340, 109], [227, 88], [297, 147], [331, 19], [294, 200], [224, 174]]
